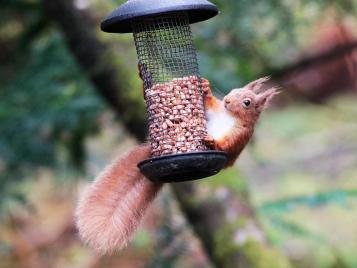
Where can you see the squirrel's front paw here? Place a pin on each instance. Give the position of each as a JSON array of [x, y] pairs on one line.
[[206, 88], [209, 141]]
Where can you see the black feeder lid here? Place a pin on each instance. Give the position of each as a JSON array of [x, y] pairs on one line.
[[183, 167], [119, 21]]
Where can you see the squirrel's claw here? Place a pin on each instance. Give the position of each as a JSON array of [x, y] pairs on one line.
[[205, 85], [209, 141]]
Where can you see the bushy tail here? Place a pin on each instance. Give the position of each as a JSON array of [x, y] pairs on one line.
[[109, 212]]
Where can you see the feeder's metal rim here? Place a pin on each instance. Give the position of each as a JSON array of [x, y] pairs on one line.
[[119, 21]]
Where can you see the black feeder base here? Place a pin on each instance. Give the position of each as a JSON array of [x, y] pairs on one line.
[[183, 167]]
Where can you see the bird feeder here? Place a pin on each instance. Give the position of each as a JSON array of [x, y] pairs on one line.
[[173, 88]]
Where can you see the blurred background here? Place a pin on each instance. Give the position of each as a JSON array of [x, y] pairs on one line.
[[71, 100]]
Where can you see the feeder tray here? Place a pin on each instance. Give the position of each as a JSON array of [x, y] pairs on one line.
[[184, 167], [173, 88]]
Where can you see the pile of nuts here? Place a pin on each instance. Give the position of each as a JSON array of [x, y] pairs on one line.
[[177, 121]]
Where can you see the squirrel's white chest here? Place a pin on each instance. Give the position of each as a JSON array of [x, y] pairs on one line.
[[219, 123]]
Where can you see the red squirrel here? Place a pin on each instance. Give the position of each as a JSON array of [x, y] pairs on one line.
[[109, 212]]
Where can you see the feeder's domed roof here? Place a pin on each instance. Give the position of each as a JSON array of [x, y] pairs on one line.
[[119, 20]]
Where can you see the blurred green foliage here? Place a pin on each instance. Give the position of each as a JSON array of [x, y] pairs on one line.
[[49, 102], [256, 37], [47, 106], [338, 196]]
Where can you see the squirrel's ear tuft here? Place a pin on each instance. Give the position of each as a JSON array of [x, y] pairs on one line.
[[257, 85], [267, 96]]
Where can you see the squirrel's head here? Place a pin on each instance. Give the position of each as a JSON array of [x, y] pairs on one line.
[[247, 103]]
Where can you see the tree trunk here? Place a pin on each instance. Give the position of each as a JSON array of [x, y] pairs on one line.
[[312, 61], [226, 223], [94, 57]]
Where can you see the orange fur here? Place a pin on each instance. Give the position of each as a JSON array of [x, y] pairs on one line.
[[234, 143], [110, 211], [238, 137]]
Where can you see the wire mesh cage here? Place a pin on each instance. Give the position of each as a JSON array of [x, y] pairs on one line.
[[165, 47], [173, 87]]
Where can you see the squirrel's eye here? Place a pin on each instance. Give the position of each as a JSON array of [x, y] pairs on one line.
[[247, 103]]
